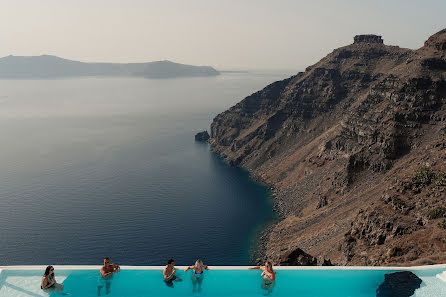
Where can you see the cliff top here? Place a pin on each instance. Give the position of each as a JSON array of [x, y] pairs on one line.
[[437, 41]]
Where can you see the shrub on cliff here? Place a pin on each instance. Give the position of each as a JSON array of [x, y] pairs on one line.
[[440, 179], [423, 176], [437, 212], [442, 224]]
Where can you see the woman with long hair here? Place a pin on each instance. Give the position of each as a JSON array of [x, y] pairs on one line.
[[49, 280], [268, 276], [197, 274]]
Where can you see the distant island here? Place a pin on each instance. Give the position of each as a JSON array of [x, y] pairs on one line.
[[46, 66]]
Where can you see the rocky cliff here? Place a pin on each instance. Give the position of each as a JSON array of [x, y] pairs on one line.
[[355, 149]]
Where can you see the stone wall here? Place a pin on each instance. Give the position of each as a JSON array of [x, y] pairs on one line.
[[369, 38]]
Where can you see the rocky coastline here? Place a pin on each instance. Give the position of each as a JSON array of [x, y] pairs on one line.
[[354, 152]]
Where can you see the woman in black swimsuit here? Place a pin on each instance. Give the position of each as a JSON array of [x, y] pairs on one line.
[[49, 280]]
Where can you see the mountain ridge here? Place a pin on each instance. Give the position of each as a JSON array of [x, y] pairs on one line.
[[342, 144], [48, 66]]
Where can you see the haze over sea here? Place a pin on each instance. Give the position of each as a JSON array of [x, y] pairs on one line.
[[94, 167]]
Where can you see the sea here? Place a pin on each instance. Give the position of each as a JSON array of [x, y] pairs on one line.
[[108, 167]]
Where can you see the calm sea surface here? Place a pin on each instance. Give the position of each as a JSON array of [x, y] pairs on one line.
[[98, 167]]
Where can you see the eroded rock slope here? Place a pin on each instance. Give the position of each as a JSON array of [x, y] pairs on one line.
[[355, 149]]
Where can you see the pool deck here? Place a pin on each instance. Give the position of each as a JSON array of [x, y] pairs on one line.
[[97, 267]]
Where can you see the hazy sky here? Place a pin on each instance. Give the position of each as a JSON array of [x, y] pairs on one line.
[[226, 34]]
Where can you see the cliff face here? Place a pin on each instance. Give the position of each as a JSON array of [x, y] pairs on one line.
[[345, 145]]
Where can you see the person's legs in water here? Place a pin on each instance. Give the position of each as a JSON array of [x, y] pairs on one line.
[[169, 282], [102, 282], [59, 288], [199, 281], [194, 283], [268, 286], [107, 287]]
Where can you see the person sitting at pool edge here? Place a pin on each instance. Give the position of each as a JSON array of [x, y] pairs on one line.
[[268, 276], [169, 273], [49, 280], [197, 274], [107, 272]]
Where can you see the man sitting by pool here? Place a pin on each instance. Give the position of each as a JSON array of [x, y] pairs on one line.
[[169, 273], [106, 275]]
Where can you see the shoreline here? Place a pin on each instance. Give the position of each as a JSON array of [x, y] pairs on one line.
[[258, 253]]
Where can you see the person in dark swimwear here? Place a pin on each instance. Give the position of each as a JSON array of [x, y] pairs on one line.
[[197, 274], [268, 276], [106, 275], [49, 280], [169, 273]]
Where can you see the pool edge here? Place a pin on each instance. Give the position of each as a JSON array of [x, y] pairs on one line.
[[97, 267]]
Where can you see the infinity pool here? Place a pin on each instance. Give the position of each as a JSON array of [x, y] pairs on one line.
[[236, 281]]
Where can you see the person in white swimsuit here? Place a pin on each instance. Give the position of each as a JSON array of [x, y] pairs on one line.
[[268, 276]]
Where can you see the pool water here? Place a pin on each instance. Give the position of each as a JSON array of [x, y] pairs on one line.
[[217, 282]]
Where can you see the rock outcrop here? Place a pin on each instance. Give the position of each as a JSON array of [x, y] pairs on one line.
[[399, 284], [437, 41], [355, 148], [297, 257], [202, 136]]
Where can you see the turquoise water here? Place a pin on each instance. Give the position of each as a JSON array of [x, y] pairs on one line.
[[136, 283]]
